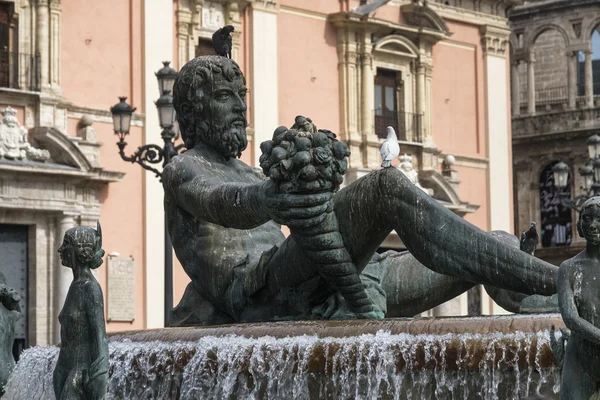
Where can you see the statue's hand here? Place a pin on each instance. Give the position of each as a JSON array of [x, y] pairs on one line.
[[295, 210]]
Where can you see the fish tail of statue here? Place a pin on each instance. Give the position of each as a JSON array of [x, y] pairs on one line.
[[324, 245]]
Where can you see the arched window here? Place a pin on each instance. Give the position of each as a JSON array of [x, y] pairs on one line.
[[556, 225], [595, 65], [596, 60]]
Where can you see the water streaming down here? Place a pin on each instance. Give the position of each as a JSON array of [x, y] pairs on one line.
[[369, 366]]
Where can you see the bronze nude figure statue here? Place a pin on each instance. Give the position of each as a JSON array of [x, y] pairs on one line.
[[82, 368], [224, 219], [578, 289]]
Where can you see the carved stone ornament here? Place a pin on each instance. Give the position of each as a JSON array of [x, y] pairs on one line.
[[13, 139], [212, 15], [407, 169]]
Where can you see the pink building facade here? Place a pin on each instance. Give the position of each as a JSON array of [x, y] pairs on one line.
[[436, 72]]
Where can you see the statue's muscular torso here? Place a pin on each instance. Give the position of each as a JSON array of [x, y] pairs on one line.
[[208, 238]]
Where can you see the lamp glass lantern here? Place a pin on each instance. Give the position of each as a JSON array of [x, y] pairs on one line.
[[561, 175], [166, 78], [593, 144], [587, 172], [596, 164], [166, 112], [121, 115]]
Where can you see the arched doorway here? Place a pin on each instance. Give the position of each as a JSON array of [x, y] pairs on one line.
[[556, 223]]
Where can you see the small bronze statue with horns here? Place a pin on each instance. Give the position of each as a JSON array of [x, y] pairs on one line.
[[82, 368]]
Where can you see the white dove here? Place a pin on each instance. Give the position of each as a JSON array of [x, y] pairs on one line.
[[390, 148]]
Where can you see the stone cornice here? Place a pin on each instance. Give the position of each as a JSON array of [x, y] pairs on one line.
[[265, 5], [21, 168], [469, 16], [137, 119], [354, 22], [549, 7]]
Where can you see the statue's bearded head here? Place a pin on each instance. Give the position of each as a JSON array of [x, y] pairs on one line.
[[208, 97]]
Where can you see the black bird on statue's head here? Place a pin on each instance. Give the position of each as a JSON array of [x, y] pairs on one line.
[[222, 41], [529, 240]]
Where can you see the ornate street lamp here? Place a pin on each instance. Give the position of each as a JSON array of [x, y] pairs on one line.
[[166, 78], [154, 154], [590, 174], [121, 114]]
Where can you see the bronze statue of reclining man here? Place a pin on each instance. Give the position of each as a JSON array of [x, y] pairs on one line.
[[224, 218]]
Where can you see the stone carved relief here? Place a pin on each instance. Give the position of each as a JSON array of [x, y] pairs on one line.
[[13, 139], [407, 169], [212, 16]]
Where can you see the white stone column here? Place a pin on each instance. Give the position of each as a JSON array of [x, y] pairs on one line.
[[572, 78], [368, 87], [185, 54], [63, 276], [265, 90], [589, 81], [158, 47], [516, 89], [531, 84], [54, 46], [42, 40], [421, 100], [497, 124]]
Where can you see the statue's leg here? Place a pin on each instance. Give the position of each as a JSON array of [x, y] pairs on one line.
[[383, 200], [410, 287], [576, 382]]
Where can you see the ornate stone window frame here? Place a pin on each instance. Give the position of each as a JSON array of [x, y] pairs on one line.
[[398, 53], [365, 43], [192, 24]]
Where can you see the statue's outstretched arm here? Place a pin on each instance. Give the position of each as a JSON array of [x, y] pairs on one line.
[[232, 205], [568, 309]]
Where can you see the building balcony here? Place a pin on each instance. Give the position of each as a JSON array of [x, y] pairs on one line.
[[553, 114], [20, 71], [407, 125], [559, 121]]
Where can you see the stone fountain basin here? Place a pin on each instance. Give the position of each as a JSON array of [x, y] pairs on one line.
[[467, 340], [494, 357]]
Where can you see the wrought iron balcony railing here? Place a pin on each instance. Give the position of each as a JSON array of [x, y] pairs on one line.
[[406, 124], [20, 71]]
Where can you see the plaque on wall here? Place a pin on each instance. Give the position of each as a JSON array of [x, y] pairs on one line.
[[121, 289]]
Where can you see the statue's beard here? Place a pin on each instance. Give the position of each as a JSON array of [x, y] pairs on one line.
[[228, 139]]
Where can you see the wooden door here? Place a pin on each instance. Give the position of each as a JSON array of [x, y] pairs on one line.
[[13, 266]]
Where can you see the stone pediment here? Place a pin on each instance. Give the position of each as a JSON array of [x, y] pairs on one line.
[[62, 149], [419, 14], [445, 193], [65, 159]]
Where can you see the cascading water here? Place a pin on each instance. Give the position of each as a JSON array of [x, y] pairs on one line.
[[369, 366]]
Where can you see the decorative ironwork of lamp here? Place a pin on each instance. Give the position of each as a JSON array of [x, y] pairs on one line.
[[153, 154], [590, 174]]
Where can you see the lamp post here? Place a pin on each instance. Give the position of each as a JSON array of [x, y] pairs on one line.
[[590, 174], [154, 154]]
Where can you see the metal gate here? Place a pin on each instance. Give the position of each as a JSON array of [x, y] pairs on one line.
[[13, 265]]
